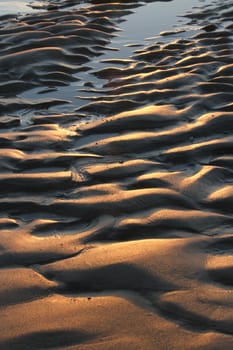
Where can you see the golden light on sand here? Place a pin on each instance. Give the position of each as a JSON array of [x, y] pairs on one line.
[[116, 185]]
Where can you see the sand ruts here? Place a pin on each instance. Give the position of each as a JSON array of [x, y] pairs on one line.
[[116, 217]]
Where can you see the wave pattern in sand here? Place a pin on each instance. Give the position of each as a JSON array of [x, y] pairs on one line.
[[116, 233]]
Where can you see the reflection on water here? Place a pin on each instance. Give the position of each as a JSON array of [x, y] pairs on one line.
[[144, 22], [151, 19], [154, 18], [12, 6]]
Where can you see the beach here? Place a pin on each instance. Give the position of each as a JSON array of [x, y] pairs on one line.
[[116, 175]]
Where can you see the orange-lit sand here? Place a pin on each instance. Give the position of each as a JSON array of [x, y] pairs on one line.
[[116, 226]]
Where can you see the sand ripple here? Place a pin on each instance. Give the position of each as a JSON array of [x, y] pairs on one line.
[[116, 218]]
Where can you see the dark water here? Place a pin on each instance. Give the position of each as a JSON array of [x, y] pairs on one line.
[[139, 28]]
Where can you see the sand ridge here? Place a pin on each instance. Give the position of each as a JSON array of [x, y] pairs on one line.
[[116, 217]]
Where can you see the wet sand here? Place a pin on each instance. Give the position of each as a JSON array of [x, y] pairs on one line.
[[116, 180]]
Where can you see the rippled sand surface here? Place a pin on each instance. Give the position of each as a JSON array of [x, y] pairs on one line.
[[116, 180]]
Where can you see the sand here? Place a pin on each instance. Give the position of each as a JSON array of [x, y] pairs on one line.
[[116, 179]]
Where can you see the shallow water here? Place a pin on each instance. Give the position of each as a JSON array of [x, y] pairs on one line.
[[155, 17], [137, 29], [15, 6]]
